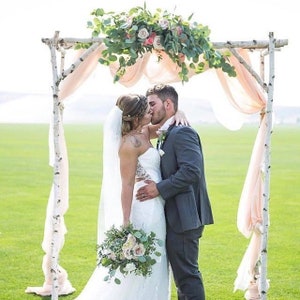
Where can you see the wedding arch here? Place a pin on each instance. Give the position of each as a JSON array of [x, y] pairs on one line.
[[257, 97]]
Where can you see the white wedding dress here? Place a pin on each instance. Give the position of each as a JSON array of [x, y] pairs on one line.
[[149, 216]]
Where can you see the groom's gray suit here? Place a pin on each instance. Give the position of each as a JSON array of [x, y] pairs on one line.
[[188, 208]]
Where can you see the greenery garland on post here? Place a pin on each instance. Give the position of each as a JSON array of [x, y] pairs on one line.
[[130, 35]]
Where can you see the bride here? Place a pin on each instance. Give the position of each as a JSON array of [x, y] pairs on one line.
[[128, 159]]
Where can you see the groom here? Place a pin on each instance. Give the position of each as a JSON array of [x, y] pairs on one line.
[[184, 189]]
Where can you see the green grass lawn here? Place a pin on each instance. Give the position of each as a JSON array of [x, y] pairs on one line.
[[25, 180]]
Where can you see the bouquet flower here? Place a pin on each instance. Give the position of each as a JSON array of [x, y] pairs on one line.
[[129, 35], [128, 250]]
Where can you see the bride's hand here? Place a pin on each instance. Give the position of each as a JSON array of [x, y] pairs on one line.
[[180, 118]]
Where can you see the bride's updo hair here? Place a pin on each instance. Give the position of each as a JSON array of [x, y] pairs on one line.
[[133, 106]]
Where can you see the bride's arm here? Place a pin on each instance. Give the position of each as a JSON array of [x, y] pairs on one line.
[[179, 118], [153, 131], [128, 164]]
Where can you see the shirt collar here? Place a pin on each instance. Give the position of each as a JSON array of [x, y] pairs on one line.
[[167, 124]]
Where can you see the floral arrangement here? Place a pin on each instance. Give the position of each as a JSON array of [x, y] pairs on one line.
[[129, 35], [128, 250]]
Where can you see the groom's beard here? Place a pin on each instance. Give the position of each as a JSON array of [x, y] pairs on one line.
[[159, 117]]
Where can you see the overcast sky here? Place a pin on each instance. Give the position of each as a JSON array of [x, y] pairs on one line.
[[25, 60]]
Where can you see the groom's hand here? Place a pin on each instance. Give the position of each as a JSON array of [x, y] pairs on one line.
[[147, 191]]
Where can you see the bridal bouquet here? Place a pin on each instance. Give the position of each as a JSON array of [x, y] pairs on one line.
[[129, 251]]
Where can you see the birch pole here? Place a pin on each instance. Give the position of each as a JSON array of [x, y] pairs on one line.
[[267, 171], [56, 216], [60, 192]]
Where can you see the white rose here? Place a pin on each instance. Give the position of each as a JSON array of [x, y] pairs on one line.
[[130, 242], [143, 33], [163, 23], [157, 44], [127, 22], [129, 267], [127, 253]]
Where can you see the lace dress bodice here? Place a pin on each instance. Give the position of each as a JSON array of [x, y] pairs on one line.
[[148, 166]]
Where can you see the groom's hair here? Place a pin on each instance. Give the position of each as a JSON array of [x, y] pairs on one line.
[[164, 92]]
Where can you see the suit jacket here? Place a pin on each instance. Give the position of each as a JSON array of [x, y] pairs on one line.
[[183, 184]]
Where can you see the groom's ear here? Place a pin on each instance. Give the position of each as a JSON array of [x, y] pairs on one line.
[[169, 105]]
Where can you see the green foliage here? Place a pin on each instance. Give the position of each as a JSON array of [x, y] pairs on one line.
[[25, 180], [130, 35]]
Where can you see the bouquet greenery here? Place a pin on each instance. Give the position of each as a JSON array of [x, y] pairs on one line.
[[128, 250], [129, 35]]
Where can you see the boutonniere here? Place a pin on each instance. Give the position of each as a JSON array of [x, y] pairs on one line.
[[162, 133]]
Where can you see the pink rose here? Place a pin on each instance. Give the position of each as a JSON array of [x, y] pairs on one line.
[[181, 57], [178, 30], [150, 39]]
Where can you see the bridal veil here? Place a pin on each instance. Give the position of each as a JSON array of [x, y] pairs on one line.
[[110, 210]]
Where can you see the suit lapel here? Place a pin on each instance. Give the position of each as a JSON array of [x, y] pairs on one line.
[[167, 134]]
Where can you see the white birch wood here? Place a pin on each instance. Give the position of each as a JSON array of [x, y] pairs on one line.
[[68, 43], [70, 70], [249, 69], [56, 216], [58, 159], [267, 171]]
